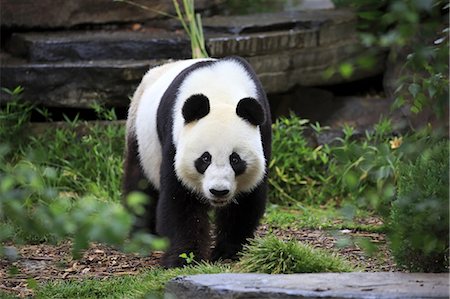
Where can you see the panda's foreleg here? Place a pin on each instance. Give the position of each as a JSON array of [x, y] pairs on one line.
[[135, 180], [182, 218], [236, 223]]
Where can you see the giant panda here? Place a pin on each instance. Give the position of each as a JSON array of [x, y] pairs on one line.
[[198, 137]]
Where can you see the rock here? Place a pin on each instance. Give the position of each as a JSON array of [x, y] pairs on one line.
[[251, 44], [251, 7], [306, 67], [315, 4], [68, 13], [363, 112], [76, 84], [278, 21], [382, 285], [287, 49], [292, 48], [309, 103], [99, 45]]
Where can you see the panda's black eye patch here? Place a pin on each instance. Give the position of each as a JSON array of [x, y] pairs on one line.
[[237, 164], [235, 159], [202, 163]]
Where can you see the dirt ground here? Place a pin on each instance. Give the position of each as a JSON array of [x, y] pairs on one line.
[[54, 262]]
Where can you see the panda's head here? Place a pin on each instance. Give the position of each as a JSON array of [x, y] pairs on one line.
[[219, 152]]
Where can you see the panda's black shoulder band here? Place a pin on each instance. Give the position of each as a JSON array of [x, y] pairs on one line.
[[250, 110], [195, 107]]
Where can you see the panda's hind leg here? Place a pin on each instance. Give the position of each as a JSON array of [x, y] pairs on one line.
[[236, 223], [135, 180]]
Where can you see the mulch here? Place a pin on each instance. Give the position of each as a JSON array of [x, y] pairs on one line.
[[45, 262]]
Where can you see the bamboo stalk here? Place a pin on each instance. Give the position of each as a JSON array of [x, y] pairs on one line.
[[191, 22]]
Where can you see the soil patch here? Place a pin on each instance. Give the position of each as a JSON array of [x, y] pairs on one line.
[[46, 262]]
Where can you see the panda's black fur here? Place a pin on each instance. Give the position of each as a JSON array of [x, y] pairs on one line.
[[175, 211]]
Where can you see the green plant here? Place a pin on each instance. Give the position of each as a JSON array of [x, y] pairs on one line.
[[272, 255], [32, 210], [191, 22], [189, 258], [366, 168], [63, 184], [420, 213], [346, 169], [298, 172], [13, 116], [417, 32]]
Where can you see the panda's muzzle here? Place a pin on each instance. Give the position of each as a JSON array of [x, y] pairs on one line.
[[219, 193], [220, 197]]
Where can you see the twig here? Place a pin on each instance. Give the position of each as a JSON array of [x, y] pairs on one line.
[[146, 8]]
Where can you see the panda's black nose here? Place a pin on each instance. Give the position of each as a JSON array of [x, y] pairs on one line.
[[219, 192]]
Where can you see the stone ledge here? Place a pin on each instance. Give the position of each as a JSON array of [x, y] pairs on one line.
[[382, 285], [259, 43], [278, 21], [283, 32], [76, 84], [99, 45]]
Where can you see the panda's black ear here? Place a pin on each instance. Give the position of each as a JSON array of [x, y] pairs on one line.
[[195, 107], [250, 110]]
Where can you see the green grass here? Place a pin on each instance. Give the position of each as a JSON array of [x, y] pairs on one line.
[[148, 284], [4, 295], [274, 256], [313, 217], [88, 163]]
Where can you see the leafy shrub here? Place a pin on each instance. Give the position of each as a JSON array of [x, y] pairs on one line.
[[365, 168], [297, 171], [360, 171], [420, 214], [419, 30], [274, 256], [62, 184], [349, 168], [32, 210], [13, 116]]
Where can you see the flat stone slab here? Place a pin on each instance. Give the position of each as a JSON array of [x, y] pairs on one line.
[[99, 45], [76, 84], [278, 21], [363, 285]]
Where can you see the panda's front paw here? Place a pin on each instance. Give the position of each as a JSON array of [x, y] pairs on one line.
[[172, 260], [226, 252]]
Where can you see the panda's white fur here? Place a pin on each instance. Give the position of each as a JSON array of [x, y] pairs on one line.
[[221, 132], [142, 114], [214, 135]]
